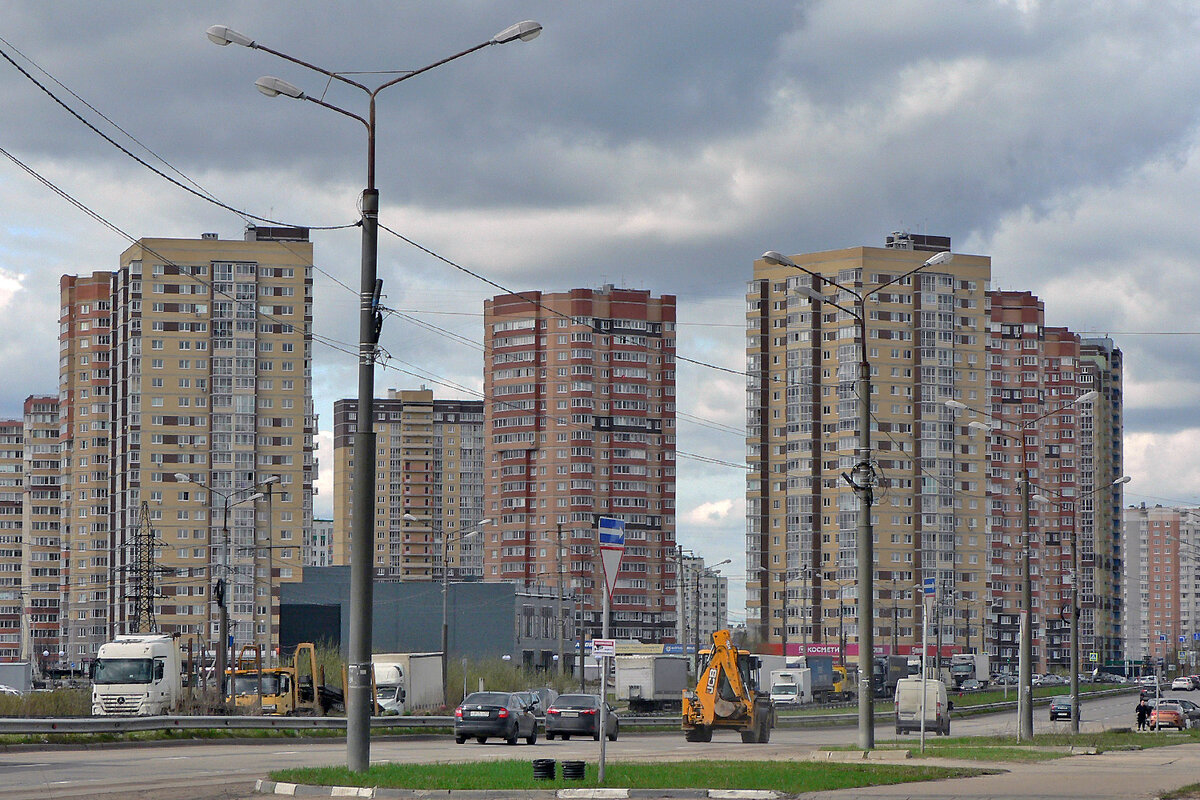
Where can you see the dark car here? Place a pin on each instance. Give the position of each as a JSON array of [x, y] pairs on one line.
[[532, 700], [1191, 712], [579, 713], [498, 714], [1060, 707]]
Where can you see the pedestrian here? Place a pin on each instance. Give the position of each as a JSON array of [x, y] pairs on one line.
[[1143, 711]]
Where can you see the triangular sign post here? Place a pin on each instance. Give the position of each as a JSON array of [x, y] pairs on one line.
[[612, 548]]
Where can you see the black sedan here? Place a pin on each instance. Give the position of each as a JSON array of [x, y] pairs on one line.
[[1060, 707], [579, 713], [498, 714]]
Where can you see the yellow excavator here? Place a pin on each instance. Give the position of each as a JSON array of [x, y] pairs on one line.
[[727, 696]]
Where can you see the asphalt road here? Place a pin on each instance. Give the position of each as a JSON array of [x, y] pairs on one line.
[[220, 771]]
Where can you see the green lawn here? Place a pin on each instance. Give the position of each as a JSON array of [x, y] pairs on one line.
[[782, 776]]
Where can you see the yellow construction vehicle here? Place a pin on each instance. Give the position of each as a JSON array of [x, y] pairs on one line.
[[727, 696], [285, 690]]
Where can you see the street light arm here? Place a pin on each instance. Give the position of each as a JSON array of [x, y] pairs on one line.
[[944, 257], [779, 259], [223, 35], [274, 87], [522, 30]]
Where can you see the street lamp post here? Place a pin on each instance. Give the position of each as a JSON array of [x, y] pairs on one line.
[[358, 689], [1075, 584], [446, 540], [221, 590], [862, 480], [1025, 653]]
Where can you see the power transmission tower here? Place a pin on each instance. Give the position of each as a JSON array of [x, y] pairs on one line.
[[143, 574]]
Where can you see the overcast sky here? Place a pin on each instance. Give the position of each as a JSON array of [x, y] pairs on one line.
[[654, 145]]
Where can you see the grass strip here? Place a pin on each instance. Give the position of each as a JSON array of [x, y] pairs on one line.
[[784, 776]]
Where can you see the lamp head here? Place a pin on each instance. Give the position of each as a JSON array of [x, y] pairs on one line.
[[777, 258], [410, 518], [273, 87], [1087, 397], [956, 405], [944, 257], [525, 31], [223, 35], [179, 476]]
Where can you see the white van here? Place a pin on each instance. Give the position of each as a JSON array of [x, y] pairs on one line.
[[908, 706]]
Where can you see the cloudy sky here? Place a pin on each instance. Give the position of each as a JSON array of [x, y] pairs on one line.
[[654, 145]]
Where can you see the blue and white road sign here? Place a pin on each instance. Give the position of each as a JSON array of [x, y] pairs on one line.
[[930, 585], [612, 548]]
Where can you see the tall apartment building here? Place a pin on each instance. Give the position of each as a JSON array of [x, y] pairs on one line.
[[210, 430], [30, 547], [318, 544], [580, 424], [1035, 375], [428, 484], [85, 351], [1161, 583], [926, 344], [703, 602]]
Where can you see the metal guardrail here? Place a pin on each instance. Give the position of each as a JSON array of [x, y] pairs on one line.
[[66, 725]]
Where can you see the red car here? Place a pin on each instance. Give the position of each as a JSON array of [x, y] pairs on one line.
[[1167, 713]]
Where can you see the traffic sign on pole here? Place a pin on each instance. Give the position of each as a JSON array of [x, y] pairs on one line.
[[612, 548], [930, 585]]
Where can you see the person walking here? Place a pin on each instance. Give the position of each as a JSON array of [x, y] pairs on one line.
[[1142, 711]]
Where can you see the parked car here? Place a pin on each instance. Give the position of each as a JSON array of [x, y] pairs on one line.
[[495, 714], [1191, 711], [1182, 683], [532, 700], [1060, 707], [545, 696], [580, 714], [972, 685], [1168, 714]]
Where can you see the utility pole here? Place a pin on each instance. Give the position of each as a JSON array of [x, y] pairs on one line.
[[562, 621], [1024, 665]]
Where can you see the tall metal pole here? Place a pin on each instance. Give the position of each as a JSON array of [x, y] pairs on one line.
[[1075, 619], [445, 605], [223, 606], [1025, 656], [362, 539], [783, 649], [562, 621], [864, 480], [603, 684]]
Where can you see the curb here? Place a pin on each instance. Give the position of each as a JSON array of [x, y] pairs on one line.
[[301, 790]]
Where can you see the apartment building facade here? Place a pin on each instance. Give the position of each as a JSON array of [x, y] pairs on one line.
[[31, 567], [703, 600], [926, 340], [580, 424], [1161, 584], [428, 485], [1040, 429], [210, 430], [85, 352]]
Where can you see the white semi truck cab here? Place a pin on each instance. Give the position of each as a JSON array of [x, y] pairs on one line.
[[137, 675]]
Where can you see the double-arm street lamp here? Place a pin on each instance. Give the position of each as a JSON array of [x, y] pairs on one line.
[[1025, 652], [220, 588], [447, 540], [370, 320], [861, 478], [786, 577], [1059, 500]]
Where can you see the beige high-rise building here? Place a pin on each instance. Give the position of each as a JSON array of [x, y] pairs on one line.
[[85, 350], [926, 344], [211, 429], [428, 485], [30, 548]]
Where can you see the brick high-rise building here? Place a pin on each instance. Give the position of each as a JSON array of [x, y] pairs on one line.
[[85, 350], [429, 484], [926, 344], [1066, 448], [211, 378], [580, 423]]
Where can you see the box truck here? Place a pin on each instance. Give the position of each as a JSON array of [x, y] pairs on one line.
[[791, 687], [651, 682], [407, 682]]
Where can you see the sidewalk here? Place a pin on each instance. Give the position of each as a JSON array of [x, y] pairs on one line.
[[1109, 776]]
